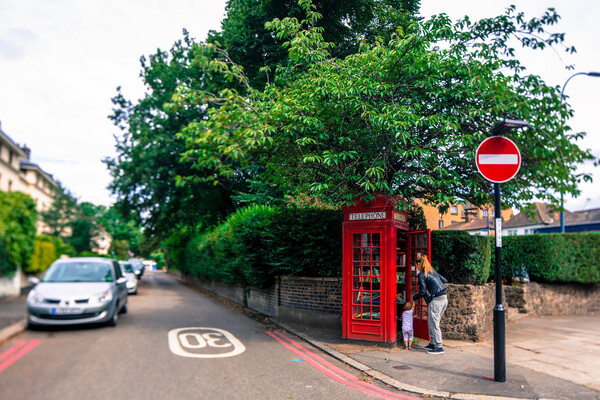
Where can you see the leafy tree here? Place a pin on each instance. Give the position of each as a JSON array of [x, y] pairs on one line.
[[112, 221], [71, 221], [416, 218], [147, 170], [62, 211], [17, 230], [148, 152], [346, 23], [119, 249], [402, 117]]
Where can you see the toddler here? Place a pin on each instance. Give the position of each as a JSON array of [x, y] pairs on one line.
[[407, 324]]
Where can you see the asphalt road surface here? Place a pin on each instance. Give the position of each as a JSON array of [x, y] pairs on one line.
[[177, 343]]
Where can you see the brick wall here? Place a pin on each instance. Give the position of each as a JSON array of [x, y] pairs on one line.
[[264, 301], [313, 294]]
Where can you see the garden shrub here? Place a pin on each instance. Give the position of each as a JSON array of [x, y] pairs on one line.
[[460, 257], [17, 231], [258, 243], [564, 257], [44, 254]]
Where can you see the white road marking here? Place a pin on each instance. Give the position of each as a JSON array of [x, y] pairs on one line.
[[186, 342]]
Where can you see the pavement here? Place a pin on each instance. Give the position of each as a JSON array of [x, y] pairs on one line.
[[546, 358]]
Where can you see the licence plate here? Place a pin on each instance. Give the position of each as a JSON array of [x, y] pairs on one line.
[[66, 310]]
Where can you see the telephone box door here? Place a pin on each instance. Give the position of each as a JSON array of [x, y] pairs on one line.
[[419, 243], [366, 293]]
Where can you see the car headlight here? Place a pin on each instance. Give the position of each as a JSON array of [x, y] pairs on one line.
[[34, 298], [102, 298]]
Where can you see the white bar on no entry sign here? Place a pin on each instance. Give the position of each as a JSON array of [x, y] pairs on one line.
[[498, 159]]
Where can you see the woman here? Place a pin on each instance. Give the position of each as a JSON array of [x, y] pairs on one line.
[[432, 288]]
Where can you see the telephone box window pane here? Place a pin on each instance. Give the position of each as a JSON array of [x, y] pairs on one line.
[[356, 270], [356, 312], [356, 254], [366, 254], [376, 314], [366, 240], [376, 240], [376, 254], [365, 270], [356, 240], [357, 283]]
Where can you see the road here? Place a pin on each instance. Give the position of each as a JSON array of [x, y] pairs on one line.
[[177, 343]]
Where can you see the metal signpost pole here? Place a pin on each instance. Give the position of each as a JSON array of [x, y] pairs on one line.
[[499, 322]]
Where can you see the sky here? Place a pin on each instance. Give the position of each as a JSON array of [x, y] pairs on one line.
[[62, 60]]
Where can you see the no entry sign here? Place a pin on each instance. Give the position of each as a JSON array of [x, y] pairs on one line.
[[498, 159]]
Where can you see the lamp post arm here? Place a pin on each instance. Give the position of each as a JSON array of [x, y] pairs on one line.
[[562, 92]]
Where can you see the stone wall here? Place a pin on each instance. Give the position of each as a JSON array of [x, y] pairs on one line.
[[469, 311], [554, 299]]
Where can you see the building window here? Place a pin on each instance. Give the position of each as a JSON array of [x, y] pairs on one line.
[[484, 213], [453, 210], [441, 224]]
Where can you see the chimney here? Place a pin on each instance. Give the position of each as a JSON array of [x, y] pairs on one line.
[[26, 150]]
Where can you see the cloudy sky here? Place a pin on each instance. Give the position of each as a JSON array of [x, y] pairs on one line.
[[61, 61]]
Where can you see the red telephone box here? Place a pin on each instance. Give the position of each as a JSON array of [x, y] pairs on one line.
[[378, 264]]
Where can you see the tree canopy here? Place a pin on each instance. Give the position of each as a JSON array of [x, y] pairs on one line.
[[402, 117], [148, 163]]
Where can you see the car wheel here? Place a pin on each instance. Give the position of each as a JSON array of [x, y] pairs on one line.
[[124, 309], [114, 319], [29, 326]]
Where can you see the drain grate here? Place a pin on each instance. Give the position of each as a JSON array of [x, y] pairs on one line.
[[401, 367]]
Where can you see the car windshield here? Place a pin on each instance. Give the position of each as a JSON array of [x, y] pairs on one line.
[[85, 271], [127, 268]]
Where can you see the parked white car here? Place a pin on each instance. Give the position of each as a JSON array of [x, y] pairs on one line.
[[132, 280], [78, 291]]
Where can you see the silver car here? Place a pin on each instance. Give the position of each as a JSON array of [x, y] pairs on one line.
[[78, 291], [132, 280]]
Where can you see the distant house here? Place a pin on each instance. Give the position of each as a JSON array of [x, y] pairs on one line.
[[544, 215], [579, 221], [19, 174], [464, 217]]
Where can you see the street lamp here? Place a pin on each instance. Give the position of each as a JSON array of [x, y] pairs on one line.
[[562, 92], [499, 322]]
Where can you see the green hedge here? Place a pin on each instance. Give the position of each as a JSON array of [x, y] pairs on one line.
[[44, 254], [17, 231], [565, 257], [258, 243], [460, 257]]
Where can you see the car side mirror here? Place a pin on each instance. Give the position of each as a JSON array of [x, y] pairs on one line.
[[33, 280], [121, 280]]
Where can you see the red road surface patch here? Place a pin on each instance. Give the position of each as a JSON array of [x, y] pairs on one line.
[[334, 372], [16, 352]]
